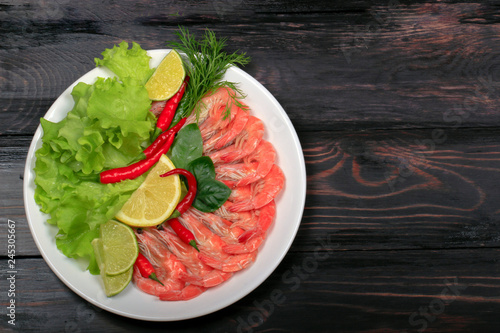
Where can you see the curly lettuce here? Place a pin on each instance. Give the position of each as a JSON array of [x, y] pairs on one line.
[[127, 62], [108, 126]]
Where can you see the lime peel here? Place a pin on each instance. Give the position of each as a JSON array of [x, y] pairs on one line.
[[167, 77], [120, 249], [113, 284]]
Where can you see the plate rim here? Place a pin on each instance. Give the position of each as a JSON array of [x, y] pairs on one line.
[[29, 164]]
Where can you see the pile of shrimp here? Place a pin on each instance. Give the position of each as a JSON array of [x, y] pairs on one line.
[[229, 238]]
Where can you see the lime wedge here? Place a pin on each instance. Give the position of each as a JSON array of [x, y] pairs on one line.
[[120, 249], [167, 77], [113, 284]]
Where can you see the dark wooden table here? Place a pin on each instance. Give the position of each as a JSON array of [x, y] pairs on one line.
[[396, 106]]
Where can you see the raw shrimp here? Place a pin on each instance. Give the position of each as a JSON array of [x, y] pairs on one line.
[[228, 133], [231, 263], [157, 107], [217, 224], [255, 166], [202, 109], [218, 118], [231, 174], [261, 191], [244, 220], [265, 217], [239, 194], [152, 287], [251, 240], [211, 245], [201, 274], [230, 237], [149, 286], [169, 270], [243, 144], [265, 155], [158, 254], [206, 240], [249, 246], [188, 292], [211, 111]]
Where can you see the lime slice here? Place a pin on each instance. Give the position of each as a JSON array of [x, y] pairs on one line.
[[167, 77], [113, 284], [120, 249], [155, 200]]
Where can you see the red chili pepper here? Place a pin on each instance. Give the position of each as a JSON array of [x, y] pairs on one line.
[[135, 170], [166, 116], [183, 233], [160, 140], [191, 194], [147, 270]]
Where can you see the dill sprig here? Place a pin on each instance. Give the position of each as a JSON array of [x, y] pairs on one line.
[[206, 66]]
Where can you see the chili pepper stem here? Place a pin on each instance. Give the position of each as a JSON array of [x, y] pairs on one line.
[[146, 268], [153, 277], [184, 234], [193, 244]]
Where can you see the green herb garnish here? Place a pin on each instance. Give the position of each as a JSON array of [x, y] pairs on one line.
[[206, 68]]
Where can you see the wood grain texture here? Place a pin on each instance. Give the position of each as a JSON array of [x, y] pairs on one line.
[[404, 188], [347, 291], [355, 67], [395, 104], [370, 190]]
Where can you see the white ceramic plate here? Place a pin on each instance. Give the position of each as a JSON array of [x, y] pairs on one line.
[[132, 302]]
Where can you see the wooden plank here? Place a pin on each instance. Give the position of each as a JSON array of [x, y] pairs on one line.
[[359, 67], [395, 104], [368, 190], [348, 291], [13, 152], [407, 189]]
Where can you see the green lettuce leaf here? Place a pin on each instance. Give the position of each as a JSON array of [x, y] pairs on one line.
[[123, 100], [108, 126], [127, 62]]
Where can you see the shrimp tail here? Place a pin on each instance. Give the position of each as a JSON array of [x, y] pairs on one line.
[[249, 234], [187, 293]]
